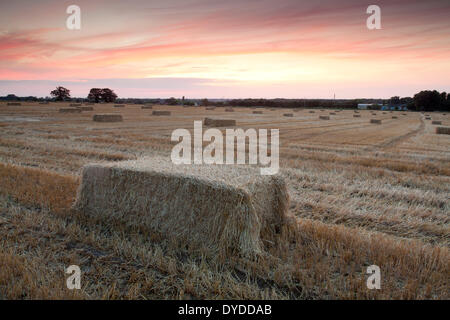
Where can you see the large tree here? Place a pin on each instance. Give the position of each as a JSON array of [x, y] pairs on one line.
[[109, 95], [427, 100], [61, 94], [97, 95]]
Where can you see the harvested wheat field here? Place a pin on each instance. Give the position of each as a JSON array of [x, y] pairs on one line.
[[348, 195]]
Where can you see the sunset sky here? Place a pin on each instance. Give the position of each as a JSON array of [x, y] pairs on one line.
[[225, 49]]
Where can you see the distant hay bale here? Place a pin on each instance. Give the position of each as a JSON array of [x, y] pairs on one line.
[[90, 104], [14, 104], [312, 111], [147, 107], [229, 110], [296, 110], [43, 102], [86, 108], [119, 106], [69, 110], [75, 104], [376, 121], [332, 113], [107, 117], [436, 122], [356, 116], [355, 111], [394, 117], [383, 112], [161, 113], [324, 117], [427, 118], [273, 109], [288, 114], [443, 130], [257, 112], [210, 108], [219, 122], [221, 211]]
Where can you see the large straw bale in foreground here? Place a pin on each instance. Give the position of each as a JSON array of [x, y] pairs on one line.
[[218, 210], [161, 113], [219, 122], [107, 117], [443, 130]]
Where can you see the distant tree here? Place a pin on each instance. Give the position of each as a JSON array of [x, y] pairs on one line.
[[95, 95], [108, 95], [205, 102], [395, 100], [98, 95], [172, 101], [61, 94], [12, 97], [427, 100]]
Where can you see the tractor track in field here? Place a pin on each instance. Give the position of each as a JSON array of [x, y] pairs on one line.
[[400, 139]]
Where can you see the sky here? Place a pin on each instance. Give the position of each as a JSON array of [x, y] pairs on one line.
[[225, 49]]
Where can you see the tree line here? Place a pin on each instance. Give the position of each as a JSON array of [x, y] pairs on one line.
[[427, 100], [95, 95]]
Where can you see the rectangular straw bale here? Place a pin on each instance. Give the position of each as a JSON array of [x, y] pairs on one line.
[[427, 118], [75, 104], [13, 104], [229, 110], [86, 108], [210, 108], [394, 117], [217, 210], [257, 112], [324, 117], [107, 117], [443, 130], [288, 114], [436, 122], [161, 113], [147, 107], [356, 116], [332, 113], [312, 111], [219, 122], [376, 121], [69, 110]]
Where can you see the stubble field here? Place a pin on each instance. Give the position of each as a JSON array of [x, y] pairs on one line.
[[362, 194]]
